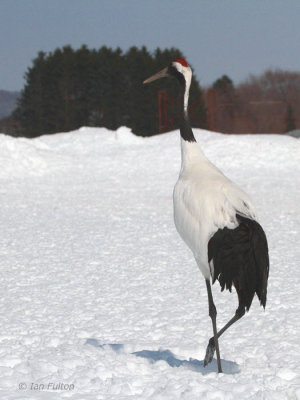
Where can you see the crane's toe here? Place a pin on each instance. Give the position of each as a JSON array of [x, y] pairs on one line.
[[210, 351]]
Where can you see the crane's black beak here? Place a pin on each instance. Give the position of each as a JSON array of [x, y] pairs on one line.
[[161, 74]]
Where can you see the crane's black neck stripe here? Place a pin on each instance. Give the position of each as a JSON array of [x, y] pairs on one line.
[[185, 127], [186, 131]]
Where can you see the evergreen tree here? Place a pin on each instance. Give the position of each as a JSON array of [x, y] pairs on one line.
[[223, 84], [227, 103]]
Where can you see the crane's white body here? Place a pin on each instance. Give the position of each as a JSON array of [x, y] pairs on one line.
[[205, 200]]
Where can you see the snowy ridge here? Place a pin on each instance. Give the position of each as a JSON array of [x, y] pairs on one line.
[[98, 290], [21, 156]]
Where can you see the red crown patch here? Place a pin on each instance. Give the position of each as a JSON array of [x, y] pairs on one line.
[[181, 61]]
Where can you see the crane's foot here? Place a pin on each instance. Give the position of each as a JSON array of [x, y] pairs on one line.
[[210, 351]]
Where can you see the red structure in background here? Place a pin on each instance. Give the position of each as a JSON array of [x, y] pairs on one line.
[[214, 107], [164, 122]]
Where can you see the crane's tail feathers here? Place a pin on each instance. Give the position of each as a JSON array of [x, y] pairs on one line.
[[240, 257]]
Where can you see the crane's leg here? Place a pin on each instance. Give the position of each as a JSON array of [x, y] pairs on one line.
[[213, 315], [210, 350]]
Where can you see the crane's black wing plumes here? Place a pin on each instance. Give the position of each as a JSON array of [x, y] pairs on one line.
[[240, 258]]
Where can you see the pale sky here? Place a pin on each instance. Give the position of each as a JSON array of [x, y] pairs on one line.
[[233, 37]]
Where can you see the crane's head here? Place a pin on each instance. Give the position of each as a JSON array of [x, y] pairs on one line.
[[178, 69]]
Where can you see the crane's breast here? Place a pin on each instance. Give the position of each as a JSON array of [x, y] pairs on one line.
[[189, 216], [204, 205]]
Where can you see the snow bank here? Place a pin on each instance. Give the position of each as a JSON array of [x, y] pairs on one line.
[[101, 299]]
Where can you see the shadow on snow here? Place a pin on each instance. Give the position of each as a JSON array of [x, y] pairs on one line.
[[229, 367]]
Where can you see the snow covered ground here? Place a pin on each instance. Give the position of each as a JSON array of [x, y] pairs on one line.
[[100, 298]]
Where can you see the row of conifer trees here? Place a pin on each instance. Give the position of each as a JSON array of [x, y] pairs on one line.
[[68, 88]]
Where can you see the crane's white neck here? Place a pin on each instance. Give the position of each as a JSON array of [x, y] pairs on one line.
[[184, 75], [188, 79], [191, 153], [185, 127]]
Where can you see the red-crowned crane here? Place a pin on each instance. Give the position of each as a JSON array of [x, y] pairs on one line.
[[217, 220]]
